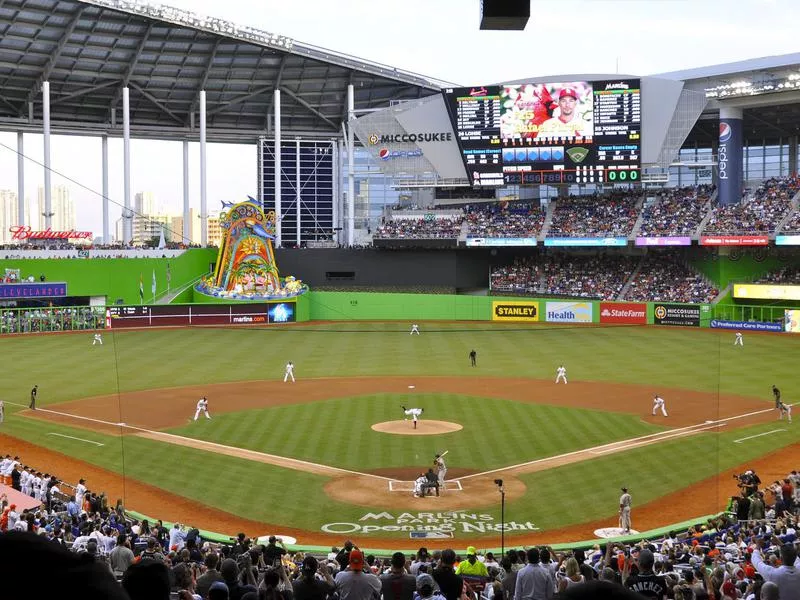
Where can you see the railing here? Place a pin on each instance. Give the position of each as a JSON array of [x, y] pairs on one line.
[[51, 319], [739, 312]]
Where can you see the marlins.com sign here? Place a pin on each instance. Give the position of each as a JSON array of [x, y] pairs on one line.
[[515, 311]]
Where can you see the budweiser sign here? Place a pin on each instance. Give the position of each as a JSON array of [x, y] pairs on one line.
[[19, 232]]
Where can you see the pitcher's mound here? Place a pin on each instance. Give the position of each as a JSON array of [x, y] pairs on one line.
[[425, 427]]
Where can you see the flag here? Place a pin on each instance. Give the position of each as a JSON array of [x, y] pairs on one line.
[[141, 289], [153, 285]]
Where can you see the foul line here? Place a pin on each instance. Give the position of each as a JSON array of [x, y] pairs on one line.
[[273, 459], [76, 438], [750, 437]]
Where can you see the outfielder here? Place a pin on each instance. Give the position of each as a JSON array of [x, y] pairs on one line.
[[625, 511], [98, 339], [414, 413], [289, 372], [561, 373], [739, 341], [441, 469], [414, 329], [202, 406], [658, 402], [2, 411]]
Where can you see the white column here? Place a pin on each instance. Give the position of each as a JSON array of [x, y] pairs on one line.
[[351, 167], [48, 192], [277, 154], [187, 225], [297, 188], [127, 214], [21, 181], [104, 160], [337, 194], [203, 174]]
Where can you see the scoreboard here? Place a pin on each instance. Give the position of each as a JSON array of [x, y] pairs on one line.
[[577, 132]]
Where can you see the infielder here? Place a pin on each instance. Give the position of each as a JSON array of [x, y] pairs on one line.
[[2, 411], [289, 372], [98, 339], [202, 406], [35, 393], [739, 341], [561, 373], [441, 469], [658, 402], [414, 329], [414, 413], [784, 409], [625, 511], [777, 394]]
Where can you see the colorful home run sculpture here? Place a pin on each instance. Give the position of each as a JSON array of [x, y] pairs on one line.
[[246, 268]]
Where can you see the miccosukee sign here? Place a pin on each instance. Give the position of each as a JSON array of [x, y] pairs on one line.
[[677, 314]]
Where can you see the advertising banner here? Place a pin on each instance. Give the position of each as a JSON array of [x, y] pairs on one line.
[[755, 291], [792, 321], [586, 242], [515, 311], [501, 241], [729, 159], [734, 240], [787, 240], [664, 241], [745, 325], [568, 312], [631, 313], [676, 314], [33, 290], [203, 314]]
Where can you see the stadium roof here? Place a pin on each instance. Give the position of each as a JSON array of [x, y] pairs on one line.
[[90, 49]]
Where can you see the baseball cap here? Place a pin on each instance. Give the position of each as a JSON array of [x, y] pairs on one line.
[[356, 559], [567, 92], [218, 585], [471, 551], [423, 580]]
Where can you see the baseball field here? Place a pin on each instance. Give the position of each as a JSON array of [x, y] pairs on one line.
[[332, 456]]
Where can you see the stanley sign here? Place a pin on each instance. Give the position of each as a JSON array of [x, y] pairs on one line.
[[515, 311]]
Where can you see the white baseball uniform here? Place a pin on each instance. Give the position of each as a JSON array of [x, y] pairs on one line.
[[561, 373], [625, 512], [289, 372], [785, 409], [658, 402], [202, 406], [419, 485], [98, 339], [442, 470], [739, 341], [414, 329], [80, 492]]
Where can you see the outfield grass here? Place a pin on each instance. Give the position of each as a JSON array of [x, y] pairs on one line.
[[500, 432]]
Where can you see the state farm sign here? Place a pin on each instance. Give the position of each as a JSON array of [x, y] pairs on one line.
[[22, 233], [632, 313]]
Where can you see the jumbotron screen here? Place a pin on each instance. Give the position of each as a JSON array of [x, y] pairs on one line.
[[549, 133]]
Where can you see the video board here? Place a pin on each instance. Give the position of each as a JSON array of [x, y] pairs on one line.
[[549, 133]]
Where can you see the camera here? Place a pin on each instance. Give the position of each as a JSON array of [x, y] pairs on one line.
[[498, 481]]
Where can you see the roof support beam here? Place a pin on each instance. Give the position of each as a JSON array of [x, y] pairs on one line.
[[239, 99], [51, 62], [206, 73], [780, 130], [155, 101], [129, 72], [278, 81], [9, 104], [305, 104], [83, 91]]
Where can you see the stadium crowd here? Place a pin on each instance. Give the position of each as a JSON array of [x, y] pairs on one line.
[[516, 220], [661, 277], [594, 216], [761, 214], [80, 547], [420, 228], [786, 275], [676, 212], [664, 278], [67, 318]]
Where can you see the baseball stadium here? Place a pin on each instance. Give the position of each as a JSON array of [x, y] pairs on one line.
[[388, 261]]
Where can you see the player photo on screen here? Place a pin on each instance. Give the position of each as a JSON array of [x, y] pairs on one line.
[[546, 111]]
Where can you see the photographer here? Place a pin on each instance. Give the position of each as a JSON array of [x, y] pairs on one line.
[[315, 581], [272, 553]]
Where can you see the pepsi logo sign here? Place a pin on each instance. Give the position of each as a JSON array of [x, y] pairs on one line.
[[724, 132]]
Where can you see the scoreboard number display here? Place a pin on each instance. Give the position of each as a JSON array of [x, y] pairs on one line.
[[575, 132]]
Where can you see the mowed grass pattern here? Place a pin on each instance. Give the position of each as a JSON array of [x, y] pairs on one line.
[[336, 431]]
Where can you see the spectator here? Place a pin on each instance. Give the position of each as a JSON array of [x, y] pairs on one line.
[[450, 584], [472, 566], [308, 586], [398, 584], [207, 579], [354, 584], [121, 557], [534, 582]]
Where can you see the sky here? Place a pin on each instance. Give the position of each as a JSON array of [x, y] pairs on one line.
[[438, 38]]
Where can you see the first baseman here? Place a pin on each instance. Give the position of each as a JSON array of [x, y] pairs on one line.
[[202, 406]]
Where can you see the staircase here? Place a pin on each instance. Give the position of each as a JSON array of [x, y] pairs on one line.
[[548, 220], [170, 295], [637, 226], [627, 286], [462, 237], [706, 219]]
